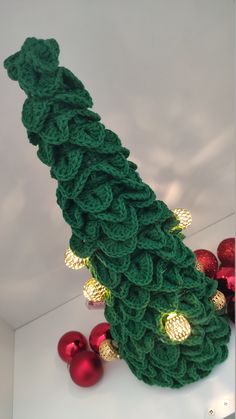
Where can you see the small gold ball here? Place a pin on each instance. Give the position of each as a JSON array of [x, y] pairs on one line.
[[199, 267], [218, 300], [73, 261], [107, 351], [177, 327], [184, 216], [94, 291]]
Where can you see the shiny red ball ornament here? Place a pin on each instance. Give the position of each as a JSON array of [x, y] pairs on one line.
[[228, 274], [226, 252], [207, 261], [98, 334], [70, 344], [86, 369]]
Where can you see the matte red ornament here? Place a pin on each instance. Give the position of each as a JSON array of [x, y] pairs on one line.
[[98, 334], [226, 252], [86, 369], [208, 261], [70, 344], [228, 274]]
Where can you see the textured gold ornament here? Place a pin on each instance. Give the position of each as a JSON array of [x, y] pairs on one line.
[[94, 291], [107, 351], [73, 261], [184, 216], [219, 300], [199, 267], [177, 327]]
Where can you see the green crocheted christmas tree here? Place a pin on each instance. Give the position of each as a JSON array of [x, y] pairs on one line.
[[117, 222]]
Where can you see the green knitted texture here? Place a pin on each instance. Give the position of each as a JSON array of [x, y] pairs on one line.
[[118, 223]]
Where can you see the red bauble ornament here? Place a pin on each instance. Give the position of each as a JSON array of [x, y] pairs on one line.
[[208, 262], [227, 273], [70, 344], [98, 334], [86, 369], [226, 252]]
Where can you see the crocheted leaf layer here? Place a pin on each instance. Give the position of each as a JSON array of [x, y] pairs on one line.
[[117, 221]]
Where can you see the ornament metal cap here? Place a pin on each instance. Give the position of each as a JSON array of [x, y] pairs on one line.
[[199, 267]]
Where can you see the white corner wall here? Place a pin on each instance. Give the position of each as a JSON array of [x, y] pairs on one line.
[[6, 370]]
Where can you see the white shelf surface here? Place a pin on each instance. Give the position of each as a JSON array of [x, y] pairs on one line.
[[43, 388]]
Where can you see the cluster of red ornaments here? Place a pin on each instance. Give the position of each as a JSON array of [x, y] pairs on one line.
[[85, 366], [224, 272]]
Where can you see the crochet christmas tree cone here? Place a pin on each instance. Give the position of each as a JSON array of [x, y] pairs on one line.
[[118, 223]]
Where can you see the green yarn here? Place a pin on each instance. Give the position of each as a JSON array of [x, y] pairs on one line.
[[119, 224]]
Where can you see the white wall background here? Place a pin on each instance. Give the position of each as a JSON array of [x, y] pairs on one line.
[[6, 370], [161, 74]]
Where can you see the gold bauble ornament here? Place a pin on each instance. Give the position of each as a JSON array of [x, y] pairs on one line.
[[184, 216], [107, 351], [73, 261], [177, 327], [219, 300], [94, 291]]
